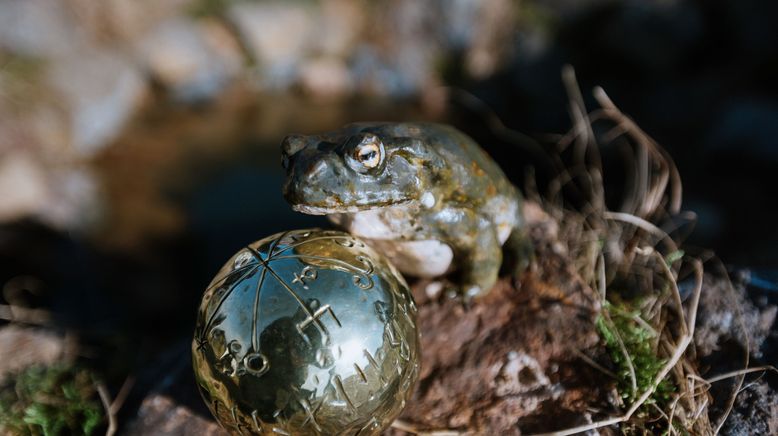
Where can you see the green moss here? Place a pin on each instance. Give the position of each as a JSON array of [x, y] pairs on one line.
[[51, 400], [639, 344]]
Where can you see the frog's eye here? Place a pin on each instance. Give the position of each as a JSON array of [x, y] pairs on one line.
[[368, 152]]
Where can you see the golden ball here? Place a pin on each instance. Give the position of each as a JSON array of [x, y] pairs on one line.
[[306, 332]]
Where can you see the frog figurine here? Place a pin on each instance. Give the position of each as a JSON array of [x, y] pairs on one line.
[[424, 194]]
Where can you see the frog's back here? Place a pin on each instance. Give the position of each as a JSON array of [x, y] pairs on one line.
[[470, 169], [476, 179]]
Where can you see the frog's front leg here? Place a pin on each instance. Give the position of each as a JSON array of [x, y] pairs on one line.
[[477, 250]]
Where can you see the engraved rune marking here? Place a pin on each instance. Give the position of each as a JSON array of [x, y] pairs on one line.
[[361, 373], [314, 318], [310, 414], [201, 343], [257, 421], [342, 393], [396, 338], [279, 417], [370, 426], [234, 412], [375, 365], [308, 273]]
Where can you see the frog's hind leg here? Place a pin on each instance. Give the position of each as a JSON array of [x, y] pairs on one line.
[[476, 247], [518, 251], [479, 265]]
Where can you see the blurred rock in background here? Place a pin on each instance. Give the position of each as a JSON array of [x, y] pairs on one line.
[[75, 72]]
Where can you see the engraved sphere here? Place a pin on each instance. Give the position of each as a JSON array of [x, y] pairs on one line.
[[306, 332]]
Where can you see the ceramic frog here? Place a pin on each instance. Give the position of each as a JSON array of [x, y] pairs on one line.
[[425, 195]]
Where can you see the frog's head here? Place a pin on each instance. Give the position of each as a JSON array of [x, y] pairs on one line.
[[360, 167]]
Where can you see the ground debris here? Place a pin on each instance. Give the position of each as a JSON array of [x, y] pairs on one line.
[[509, 362], [161, 415]]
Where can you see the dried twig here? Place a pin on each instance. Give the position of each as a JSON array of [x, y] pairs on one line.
[[24, 315], [105, 398]]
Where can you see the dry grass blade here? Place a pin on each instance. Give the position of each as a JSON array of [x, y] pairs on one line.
[[630, 247], [629, 126]]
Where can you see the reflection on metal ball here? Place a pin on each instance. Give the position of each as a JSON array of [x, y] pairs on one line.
[[306, 332]]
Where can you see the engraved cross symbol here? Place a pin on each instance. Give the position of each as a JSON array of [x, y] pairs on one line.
[[314, 319], [307, 273]]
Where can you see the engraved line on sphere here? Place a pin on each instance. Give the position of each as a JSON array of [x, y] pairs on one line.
[[361, 276], [227, 294], [275, 243], [257, 421], [375, 365], [227, 275], [255, 313], [282, 282], [305, 241], [292, 293], [371, 425], [307, 273], [360, 372], [309, 414], [342, 392], [281, 421], [234, 412], [316, 315]]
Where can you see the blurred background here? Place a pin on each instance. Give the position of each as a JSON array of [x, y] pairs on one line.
[[139, 138]]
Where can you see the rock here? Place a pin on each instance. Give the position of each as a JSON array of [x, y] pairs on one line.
[[755, 411], [99, 89], [343, 21], [23, 186], [195, 60], [277, 35], [492, 38], [730, 316], [123, 20], [75, 203], [64, 197], [22, 347], [160, 415], [38, 28], [325, 78]]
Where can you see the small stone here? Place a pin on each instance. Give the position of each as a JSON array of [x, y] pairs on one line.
[[38, 28], [277, 35], [325, 78], [124, 20], [194, 60], [343, 20], [23, 186], [160, 415], [99, 89], [23, 347]]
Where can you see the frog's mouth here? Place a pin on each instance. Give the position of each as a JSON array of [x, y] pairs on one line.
[[330, 210]]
